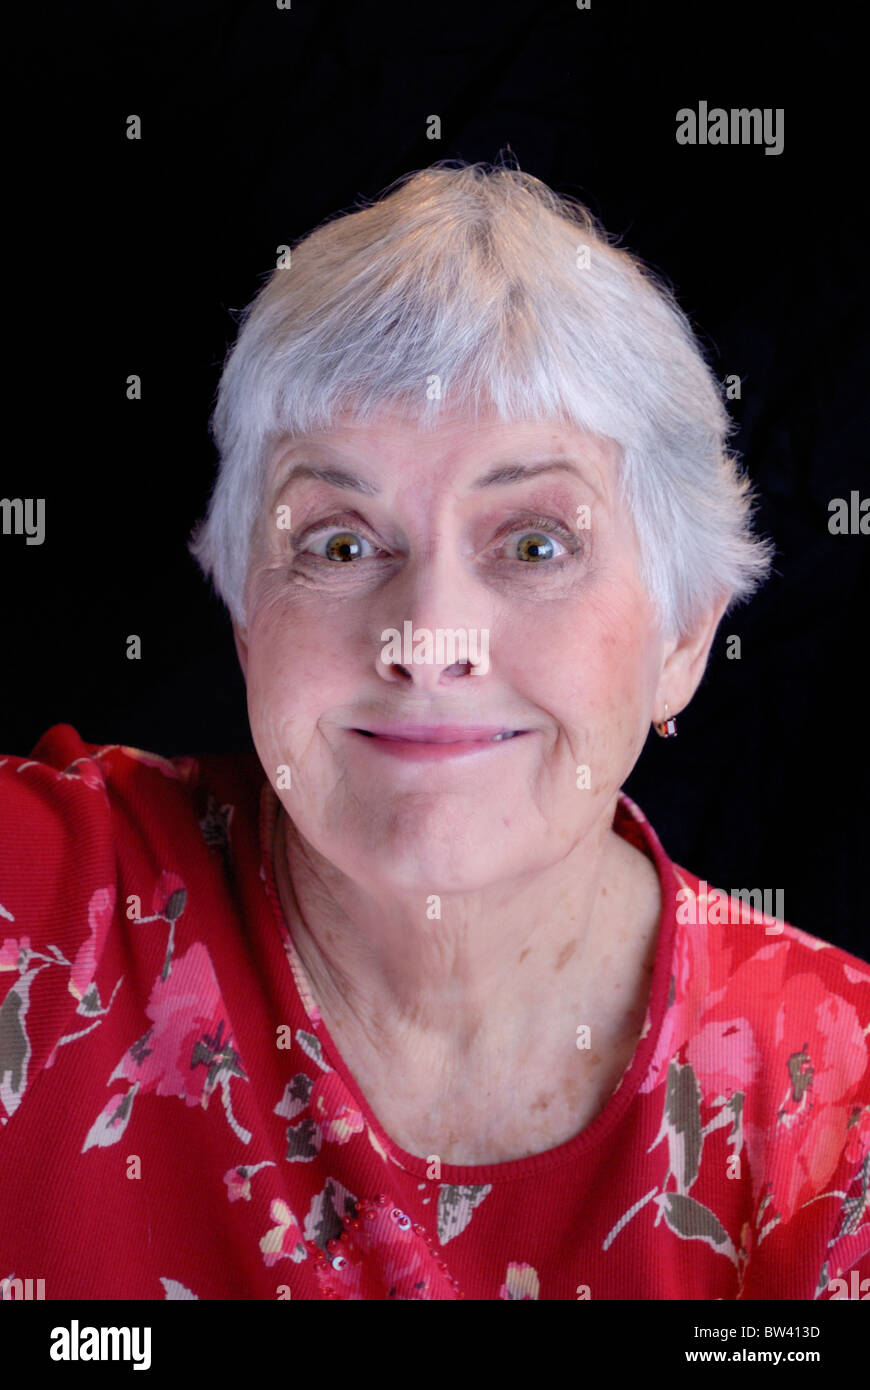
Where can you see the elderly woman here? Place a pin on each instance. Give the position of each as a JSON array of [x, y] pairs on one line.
[[412, 1004]]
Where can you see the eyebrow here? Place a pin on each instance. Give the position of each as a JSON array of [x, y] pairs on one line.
[[499, 476]]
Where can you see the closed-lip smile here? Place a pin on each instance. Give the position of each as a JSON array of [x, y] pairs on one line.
[[441, 733], [432, 743]]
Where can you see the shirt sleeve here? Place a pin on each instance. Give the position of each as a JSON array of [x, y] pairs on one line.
[[846, 1274], [847, 1262], [57, 898]]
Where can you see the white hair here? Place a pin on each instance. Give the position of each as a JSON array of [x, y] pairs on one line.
[[519, 301]]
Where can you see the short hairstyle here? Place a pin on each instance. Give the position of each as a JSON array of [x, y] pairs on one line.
[[520, 302]]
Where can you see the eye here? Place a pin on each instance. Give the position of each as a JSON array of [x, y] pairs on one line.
[[338, 544], [538, 543], [342, 546], [537, 546]]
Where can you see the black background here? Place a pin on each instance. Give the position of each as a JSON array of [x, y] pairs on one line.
[[257, 124]]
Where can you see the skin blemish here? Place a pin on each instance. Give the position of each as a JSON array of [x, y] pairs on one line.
[[565, 955], [543, 1101], [524, 953]]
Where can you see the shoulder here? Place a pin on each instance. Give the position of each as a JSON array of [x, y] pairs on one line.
[[747, 981], [75, 792], [781, 1015], [744, 927], [93, 838], [767, 1032]]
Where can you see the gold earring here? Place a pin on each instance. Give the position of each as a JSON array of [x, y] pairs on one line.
[[667, 727]]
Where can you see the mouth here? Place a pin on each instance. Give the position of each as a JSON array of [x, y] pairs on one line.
[[442, 735], [435, 744]]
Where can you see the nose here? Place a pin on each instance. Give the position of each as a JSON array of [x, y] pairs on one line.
[[418, 669], [425, 650]]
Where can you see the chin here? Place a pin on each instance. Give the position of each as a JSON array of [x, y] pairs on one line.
[[430, 874], [429, 862]]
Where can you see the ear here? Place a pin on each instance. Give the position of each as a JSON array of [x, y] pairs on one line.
[[241, 648], [686, 661]]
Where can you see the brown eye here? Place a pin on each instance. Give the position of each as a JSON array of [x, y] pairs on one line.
[[343, 545]]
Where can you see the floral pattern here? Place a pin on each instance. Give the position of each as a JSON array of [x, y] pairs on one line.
[[187, 1051], [731, 1162]]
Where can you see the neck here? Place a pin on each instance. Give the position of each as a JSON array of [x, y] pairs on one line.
[[483, 977]]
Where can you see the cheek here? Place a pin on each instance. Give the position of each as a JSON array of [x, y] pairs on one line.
[[601, 657], [298, 668]]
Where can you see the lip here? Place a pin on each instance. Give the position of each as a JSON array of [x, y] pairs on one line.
[[435, 744], [439, 733]]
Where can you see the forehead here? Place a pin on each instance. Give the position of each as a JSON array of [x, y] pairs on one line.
[[391, 448]]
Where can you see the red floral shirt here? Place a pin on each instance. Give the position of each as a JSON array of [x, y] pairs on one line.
[[176, 1122]]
